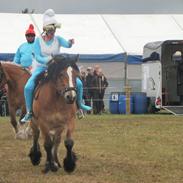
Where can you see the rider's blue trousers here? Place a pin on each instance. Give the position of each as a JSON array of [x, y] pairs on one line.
[[30, 86]]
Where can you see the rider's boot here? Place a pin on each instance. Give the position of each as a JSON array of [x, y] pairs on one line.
[[28, 92], [27, 117]]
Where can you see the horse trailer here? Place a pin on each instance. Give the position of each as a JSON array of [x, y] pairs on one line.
[[162, 75]]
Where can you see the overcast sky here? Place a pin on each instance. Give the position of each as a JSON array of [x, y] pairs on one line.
[[95, 6]]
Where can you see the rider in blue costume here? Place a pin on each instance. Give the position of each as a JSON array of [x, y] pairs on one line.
[[23, 54], [44, 47]]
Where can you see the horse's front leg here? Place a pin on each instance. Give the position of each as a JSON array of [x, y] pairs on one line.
[[35, 153], [70, 159]]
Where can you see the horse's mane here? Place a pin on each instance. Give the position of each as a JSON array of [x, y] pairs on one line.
[[59, 63]]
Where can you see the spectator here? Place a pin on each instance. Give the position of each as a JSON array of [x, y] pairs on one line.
[[104, 85], [89, 77], [99, 83], [24, 55]]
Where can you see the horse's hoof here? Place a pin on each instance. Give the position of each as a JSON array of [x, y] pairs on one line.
[[28, 132], [21, 135], [35, 157], [54, 168], [69, 165]]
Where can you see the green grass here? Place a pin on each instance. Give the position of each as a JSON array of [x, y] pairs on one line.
[[110, 149]]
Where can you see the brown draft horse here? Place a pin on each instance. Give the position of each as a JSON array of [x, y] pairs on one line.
[[15, 77], [54, 109]]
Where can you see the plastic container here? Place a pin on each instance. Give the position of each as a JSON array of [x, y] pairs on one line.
[[113, 103], [140, 102], [122, 104]]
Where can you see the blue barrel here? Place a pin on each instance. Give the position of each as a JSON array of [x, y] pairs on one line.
[[140, 102], [113, 103], [122, 104]]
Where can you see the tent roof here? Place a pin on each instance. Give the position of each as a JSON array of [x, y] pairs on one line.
[[89, 31], [96, 34]]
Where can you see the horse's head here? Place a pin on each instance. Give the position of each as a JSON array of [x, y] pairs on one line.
[[63, 71]]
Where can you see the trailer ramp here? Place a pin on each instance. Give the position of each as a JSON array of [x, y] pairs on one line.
[[176, 110]]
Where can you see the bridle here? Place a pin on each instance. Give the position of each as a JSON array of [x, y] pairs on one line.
[[67, 89], [62, 92]]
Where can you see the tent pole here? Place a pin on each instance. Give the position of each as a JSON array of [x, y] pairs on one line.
[[127, 86], [125, 68], [34, 22]]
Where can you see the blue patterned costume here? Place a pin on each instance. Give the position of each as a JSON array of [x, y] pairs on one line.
[[23, 55]]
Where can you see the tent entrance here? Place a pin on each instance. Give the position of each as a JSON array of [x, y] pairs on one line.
[[172, 74]]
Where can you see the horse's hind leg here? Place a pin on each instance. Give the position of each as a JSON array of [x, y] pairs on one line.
[[13, 119], [49, 148], [35, 153], [57, 140]]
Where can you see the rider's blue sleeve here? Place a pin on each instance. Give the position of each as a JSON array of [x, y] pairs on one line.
[[63, 42], [37, 53], [17, 57]]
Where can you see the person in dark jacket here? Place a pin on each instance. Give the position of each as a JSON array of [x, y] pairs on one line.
[[99, 83], [89, 77], [104, 85]]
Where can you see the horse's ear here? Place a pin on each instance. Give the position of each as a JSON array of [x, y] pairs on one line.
[[58, 57], [73, 58]]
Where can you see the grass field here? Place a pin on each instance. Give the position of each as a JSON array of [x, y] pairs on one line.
[[110, 149]]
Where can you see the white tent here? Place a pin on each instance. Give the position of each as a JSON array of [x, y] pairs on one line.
[[96, 34], [89, 31], [99, 34]]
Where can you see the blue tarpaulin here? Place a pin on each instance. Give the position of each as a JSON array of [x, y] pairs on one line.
[[7, 56], [90, 58], [132, 59]]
